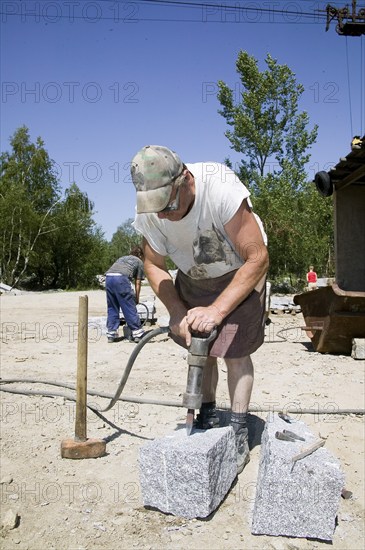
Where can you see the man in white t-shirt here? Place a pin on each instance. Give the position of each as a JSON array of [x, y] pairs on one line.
[[201, 217]]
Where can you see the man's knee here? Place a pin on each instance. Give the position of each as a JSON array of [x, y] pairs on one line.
[[240, 364]]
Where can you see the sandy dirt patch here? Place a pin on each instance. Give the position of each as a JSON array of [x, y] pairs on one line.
[[90, 504]]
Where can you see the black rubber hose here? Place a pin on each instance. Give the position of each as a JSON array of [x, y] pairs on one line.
[[148, 336], [128, 399], [141, 400], [150, 401], [144, 321]]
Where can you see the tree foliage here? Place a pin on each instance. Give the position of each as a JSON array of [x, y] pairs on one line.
[[266, 123], [298, 223], [45, 239], [273, 137], [78, 248], [123, 240], [29, 192]]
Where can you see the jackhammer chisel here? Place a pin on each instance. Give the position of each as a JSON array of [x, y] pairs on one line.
[[197, 359]]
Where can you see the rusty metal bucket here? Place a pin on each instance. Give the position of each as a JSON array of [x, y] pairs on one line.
[[333, 317]]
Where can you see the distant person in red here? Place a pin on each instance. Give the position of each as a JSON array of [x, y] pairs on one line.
[[312, 279]]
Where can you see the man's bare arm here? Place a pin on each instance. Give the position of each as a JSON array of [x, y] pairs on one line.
[[137, 286], [244, 232], [163, 286]]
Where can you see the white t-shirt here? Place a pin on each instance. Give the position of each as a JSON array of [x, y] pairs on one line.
[[198, 244]]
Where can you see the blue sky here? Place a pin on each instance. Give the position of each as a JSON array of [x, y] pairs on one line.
[[97, 80]]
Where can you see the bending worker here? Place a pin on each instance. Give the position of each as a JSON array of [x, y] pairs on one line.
[[119, 294], [201, 217]]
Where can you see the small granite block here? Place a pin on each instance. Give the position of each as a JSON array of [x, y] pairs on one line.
[[358, 348], [96, 327], [188, 476], [298, 503]]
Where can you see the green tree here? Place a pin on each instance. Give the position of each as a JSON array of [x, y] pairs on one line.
[[299, 225], [77, 250], [45, 240], [273, 138], [123, 240], [318, 241], [266, 123], [29, 192]]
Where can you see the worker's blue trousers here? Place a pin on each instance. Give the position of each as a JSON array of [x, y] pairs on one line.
[[119, 294]]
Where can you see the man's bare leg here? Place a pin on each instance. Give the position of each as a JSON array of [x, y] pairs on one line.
[[240, 383]]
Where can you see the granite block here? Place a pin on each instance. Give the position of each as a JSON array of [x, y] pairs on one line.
[[188, 476], [358, 348], [298, 502]]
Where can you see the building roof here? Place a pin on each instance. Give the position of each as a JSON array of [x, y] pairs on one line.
[[350, 169]]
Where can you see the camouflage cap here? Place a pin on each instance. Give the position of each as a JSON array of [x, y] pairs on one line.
[[153, 170]]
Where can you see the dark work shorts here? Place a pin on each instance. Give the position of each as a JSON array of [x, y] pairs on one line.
[[242, 331]]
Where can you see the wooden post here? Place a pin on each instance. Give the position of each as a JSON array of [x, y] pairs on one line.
[[81, 446], [81, 394]]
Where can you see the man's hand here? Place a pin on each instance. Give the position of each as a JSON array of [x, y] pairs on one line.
[[204, 319], [180, 327], [198, 319]]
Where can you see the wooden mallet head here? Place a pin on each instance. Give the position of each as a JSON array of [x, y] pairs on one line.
[[91, 448]]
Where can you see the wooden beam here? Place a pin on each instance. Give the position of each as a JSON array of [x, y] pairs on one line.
[[351, 178]]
